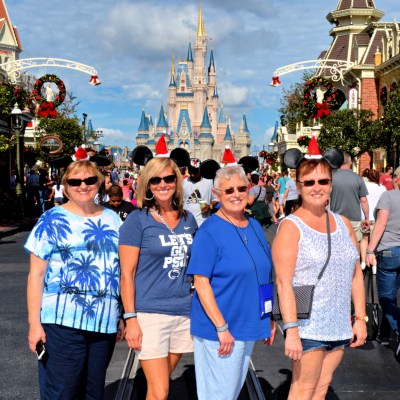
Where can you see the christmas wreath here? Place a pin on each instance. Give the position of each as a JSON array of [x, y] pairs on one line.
[[271, 158], [262, 153], [331, 100], [47, 108], [303, 140]]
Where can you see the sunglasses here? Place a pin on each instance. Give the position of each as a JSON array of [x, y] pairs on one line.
[[312, 182], [231, 190], [92, 180], [167, 179]]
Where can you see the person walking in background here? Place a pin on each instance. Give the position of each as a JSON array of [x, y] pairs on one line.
[[386, 179], [281, 187], [102, 195], [290, 197], [375, 191], [270, 198], [230, 260], [348, 193], [117, 203], [58, 193], [154, 247], [384, 250], [316, 345], [256, 202], [198, 197], [73, 289]]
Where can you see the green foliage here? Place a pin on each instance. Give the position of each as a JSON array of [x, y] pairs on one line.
[[391, 120], [293, 107], [353, 131], [69, 130], [5, 143], [9, 95]]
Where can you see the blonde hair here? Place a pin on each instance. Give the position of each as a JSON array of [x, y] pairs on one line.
[[153, 168], [82, 166]]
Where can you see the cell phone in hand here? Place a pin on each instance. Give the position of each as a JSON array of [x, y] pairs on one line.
[[40, 350]]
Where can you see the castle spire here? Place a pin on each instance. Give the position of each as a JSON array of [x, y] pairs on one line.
[[190, 54], [173, 73], [201, 31]]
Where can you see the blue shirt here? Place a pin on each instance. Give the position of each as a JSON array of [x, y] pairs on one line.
[[219, 253], [81, 285], [160, 282]]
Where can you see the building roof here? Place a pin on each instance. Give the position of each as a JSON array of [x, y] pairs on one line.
[[190, 53], [347, 4], [144, 123], [245, 127], [206, 121], [7, 22], [228, 135], [374, 44], [162, 123]]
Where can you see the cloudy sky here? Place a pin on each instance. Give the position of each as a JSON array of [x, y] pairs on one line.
[[130, 44]]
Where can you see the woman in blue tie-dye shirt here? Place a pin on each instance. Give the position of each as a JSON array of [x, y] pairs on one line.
[[73, 288]]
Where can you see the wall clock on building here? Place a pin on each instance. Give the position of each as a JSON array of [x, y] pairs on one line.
[[183, 132]]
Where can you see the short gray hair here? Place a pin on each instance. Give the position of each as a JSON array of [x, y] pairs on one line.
[[347, 158], [228, 172]]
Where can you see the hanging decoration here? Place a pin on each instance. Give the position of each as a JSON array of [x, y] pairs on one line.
[[46, 107], [319, 102], [303, 140], [275, 81]]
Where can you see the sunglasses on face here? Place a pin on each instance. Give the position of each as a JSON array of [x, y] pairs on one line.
[[92, 180], [231, 190], [312, 182], [167, 179]]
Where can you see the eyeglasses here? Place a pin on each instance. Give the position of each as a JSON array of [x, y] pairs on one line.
[[167, 179], [312, 182], [92, 180], [231, 190]]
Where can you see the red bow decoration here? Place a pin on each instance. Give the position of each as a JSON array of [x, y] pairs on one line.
[[322, 110], [47, 109], [94, 80], [275, 81]]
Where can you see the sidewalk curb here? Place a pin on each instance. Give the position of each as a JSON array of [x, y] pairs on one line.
[[12, 230]]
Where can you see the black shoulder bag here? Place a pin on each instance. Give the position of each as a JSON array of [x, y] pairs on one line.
[[304, 294]]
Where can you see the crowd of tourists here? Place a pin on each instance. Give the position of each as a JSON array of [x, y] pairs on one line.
[[174, 262]]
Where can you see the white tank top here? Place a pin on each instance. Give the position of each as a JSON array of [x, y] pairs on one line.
[[331, 308]]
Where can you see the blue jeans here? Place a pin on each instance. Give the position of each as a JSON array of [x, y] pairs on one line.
[[388, 283], [309, 344], [220, 378], [75, 363]]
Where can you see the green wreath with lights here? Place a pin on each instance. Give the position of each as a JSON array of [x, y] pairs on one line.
[[37, 90], [332, 98]]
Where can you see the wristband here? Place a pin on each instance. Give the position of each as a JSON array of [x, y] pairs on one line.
[[370, 252], [289, 325], [129, 315], [222, 328]]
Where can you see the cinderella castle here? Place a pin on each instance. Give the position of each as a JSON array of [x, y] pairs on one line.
[[195, 118]]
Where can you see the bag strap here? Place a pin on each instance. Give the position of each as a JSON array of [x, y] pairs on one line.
[[258, 195], [328, 230], [370, 285]]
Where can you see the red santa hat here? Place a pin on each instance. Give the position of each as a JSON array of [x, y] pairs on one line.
[[228, 158], [161, 147], [80, 154], [313, 149]]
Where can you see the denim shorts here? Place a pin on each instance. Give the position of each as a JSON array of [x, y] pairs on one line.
[[310, 345]]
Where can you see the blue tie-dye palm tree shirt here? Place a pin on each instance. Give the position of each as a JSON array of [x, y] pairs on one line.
[[81, 285]]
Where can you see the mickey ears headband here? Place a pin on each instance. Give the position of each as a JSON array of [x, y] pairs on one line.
[[141, 155], [209, 168], [63, 162], [293, 157]]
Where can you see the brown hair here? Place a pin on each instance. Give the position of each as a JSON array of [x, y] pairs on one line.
[[153, 168], [309, 165], [373, 175]]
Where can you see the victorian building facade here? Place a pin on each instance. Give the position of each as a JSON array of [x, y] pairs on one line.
[[372, 50], [195, 118]]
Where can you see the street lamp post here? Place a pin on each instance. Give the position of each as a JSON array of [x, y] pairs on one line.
[[84, 116], [17, 125]]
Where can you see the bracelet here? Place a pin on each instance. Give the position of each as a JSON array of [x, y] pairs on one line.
[[129, 315], [289, 325], [222, 328], [370, 252]]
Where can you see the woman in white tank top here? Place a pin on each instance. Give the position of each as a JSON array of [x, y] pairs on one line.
[[316, 345]]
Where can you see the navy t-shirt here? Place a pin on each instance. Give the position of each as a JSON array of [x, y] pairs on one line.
[[220, 254], [161, 285]]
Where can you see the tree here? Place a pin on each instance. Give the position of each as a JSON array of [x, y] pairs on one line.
[[293, 103], [391, 125], [352, 131], [69, 130], [68, 106]]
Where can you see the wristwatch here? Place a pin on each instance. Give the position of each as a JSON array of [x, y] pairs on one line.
[[365, 319]]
